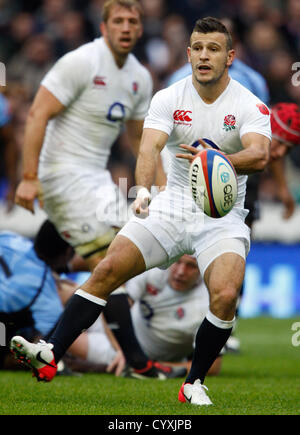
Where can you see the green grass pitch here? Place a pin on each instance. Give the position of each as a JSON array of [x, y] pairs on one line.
[[262, 380]]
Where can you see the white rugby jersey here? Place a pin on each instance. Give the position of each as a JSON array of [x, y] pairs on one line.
[[180, 112], [99, 97], [166, 320]]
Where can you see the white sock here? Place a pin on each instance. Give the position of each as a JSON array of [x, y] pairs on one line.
[[90, 297], [223, 324]]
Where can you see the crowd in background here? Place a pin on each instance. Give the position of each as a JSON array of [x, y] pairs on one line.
[[34, 34]]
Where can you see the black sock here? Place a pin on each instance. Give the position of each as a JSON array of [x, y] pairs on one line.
[[118, 316], [79, 314], [210, 339]]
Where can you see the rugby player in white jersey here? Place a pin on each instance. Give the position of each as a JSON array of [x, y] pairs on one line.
[[168, 307], [189, 111], [79, 110]]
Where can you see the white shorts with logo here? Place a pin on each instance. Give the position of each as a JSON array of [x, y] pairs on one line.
[[181, 228], [84, 206]]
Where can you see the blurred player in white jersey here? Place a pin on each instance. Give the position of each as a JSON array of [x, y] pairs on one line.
[[194, 111], [79, 111], [82, 105], [168, 307]]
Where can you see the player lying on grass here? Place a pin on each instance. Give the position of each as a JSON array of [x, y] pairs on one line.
[[168, 306]]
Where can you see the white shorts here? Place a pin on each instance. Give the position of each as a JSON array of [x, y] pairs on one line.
[[180, 228], [84, 206]]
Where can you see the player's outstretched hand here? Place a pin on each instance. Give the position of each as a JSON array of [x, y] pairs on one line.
[[192, 150], [141, 204], [118, 364], [27, 192]]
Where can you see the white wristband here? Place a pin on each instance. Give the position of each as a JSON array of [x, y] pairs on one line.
[[143, 193]]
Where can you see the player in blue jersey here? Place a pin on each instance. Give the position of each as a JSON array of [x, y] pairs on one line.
[[29, 301]]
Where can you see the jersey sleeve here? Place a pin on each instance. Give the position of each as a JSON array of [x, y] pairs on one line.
[[141, 108], [136, 287], [255, 118], [67, 77], [160, 113]]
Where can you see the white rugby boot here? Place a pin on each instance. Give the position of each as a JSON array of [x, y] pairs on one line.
[[38, 356], [194, 394]]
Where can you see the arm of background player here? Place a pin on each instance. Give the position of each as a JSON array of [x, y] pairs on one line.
[[44, 107], [255, 155], [135, 131], [152, 143], [282, 190], [214, 369], [119, 362]]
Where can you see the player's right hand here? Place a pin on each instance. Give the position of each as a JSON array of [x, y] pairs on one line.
[[27, 192], [192, 151]]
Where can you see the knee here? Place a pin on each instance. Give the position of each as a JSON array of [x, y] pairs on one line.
[[104, 272], [225, 296]]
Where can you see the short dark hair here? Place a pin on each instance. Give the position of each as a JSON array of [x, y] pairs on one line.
[[129, 4], [48, 243], [210, 25]]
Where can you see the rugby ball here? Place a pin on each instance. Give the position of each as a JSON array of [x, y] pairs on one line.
[[213, 183]]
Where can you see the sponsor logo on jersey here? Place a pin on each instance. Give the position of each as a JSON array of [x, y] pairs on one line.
[[99, 82], [116, 112], [263, 109], [229, 123], [182, 117]]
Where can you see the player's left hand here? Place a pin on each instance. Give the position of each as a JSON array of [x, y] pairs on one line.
[[140, 206], [192, 150], [117, 365]]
